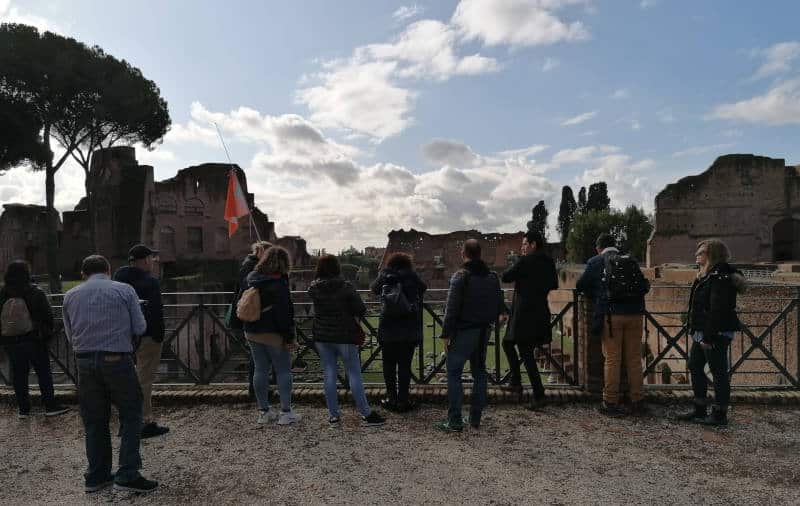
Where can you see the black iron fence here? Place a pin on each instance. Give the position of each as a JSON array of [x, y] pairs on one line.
[[200, 349]]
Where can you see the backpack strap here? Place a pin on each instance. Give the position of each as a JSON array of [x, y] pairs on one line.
[[465, 275]]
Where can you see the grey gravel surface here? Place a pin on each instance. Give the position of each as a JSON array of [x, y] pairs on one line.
[[562, 455]]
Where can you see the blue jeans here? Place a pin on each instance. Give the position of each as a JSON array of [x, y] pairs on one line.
[[264, 357], [329, 353], [23, 354], [102, 381], [467, 345]]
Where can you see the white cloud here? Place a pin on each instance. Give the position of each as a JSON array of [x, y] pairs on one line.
[[11, 14], [580, 118], [523, 153], [574, 155], [407, 12], [627, 185], [450, 153], [778, 59], [646, 4], [635, 125], [701, 150], [550, 64], [779, 106], [364, 95], [360, 98], [621, 94], [517, 22]]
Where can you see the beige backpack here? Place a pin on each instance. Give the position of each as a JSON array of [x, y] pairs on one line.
[[15, 319], [248, 308]]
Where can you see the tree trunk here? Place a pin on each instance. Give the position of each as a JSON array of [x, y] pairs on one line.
[[90, 211], [52, 227]]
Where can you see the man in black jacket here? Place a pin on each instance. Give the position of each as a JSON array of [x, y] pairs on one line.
[[139, 275], [474, 302], [534, 276]]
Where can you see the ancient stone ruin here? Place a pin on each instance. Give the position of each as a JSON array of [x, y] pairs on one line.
[[182, 217], [750, 202]]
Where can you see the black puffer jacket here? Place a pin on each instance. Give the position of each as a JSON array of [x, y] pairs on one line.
[[274, 293], [39, 308], [336, 306], [407, 328], [712, 303]]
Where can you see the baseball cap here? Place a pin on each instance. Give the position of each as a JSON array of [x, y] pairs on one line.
[[139, 252]]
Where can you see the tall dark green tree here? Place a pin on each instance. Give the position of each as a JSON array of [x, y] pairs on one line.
[[68, 88], [598, 197], [566, 212], [20, 135], [630, 228], [129, 110], [582, 200], [538, 221]]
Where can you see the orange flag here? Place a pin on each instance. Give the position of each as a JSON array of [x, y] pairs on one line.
[[235, 204]]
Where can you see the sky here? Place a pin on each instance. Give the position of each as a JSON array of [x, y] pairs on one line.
[[352, 119]]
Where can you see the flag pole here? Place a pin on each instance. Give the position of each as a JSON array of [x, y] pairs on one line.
[[233, 169]]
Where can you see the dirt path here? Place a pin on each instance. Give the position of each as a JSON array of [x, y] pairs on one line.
[[564, 455]]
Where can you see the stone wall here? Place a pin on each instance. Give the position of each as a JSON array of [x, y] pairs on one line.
[[750, 202], [23, 229]]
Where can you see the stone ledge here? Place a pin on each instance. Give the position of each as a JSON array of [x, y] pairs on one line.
[[167, 395]]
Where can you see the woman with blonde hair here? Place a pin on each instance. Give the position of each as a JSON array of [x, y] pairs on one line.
[[712, 321], [272, 336]]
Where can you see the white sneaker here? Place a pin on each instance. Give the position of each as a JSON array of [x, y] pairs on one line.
[[265, 417], [288, 418]]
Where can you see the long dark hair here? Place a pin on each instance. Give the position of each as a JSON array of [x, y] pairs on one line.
[[18, 275]]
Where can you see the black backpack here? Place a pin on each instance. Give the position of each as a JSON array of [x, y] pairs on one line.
[[623, 279], [393, 299]]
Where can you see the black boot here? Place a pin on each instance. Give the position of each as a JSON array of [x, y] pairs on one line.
[[717, 418], [698, 414]]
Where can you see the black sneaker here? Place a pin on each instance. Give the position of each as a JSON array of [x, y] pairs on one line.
[[446, 426], [389, 404], [23, 415], [639, 408], [55, 410], [610, 409], [152, 429], [696, 415], [97, 487], [513, 388], [716, 419], [140, 485], [334, 422], [474, 422], [299, 366], [373, 419]]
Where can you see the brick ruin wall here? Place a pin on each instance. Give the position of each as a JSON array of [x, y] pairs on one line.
[[750, 202], [182, 217]]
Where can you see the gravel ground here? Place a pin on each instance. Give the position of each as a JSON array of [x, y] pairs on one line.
[[562, 455]]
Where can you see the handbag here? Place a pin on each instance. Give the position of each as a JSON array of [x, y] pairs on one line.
[[361, 335]]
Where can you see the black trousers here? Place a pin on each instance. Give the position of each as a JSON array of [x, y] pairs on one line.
[[23, 354], [397, 359], [526, 354], [717, 360]]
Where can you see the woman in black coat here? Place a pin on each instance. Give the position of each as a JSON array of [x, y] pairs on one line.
[[712, 321], [534, 276], [399, 331], [29, 348]]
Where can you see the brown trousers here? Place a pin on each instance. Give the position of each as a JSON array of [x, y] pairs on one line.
[[622, 345], [148, 357]]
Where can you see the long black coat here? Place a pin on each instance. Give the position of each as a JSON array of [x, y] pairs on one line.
[[401, 329], [534, 276]]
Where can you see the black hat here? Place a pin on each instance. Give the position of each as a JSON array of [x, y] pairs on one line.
[[139, 252]]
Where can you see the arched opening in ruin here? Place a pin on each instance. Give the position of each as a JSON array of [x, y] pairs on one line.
[[786, 240]]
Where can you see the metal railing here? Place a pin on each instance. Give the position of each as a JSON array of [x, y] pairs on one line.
[[200, 349]]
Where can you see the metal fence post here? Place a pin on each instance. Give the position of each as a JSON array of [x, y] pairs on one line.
[[576, 345], [201, 332], [797, 334]]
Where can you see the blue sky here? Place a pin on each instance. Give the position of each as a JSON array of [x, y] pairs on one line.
[[354, 118]]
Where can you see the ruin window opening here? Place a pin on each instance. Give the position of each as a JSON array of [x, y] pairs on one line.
[[194, 207], [221, 242], [166, 240], [786, 240], [194, 239]]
